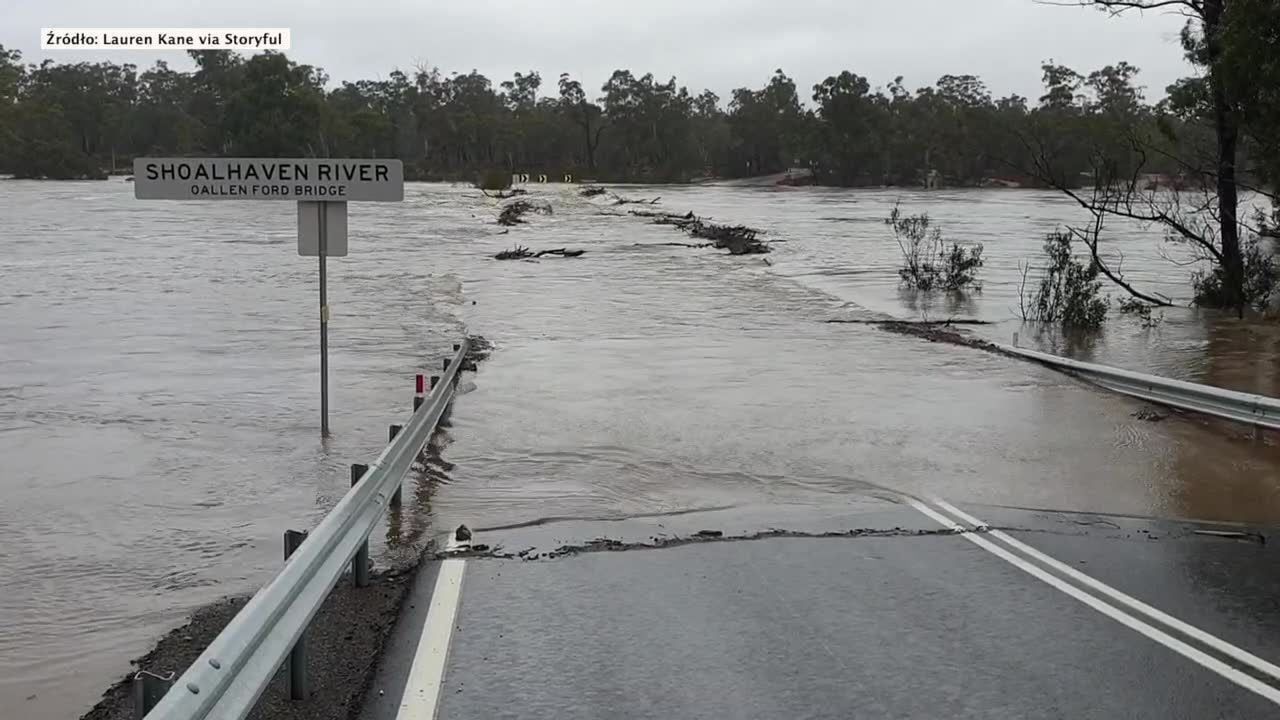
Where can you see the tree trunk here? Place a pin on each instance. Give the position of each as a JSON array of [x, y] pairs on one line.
[[1226, 126]]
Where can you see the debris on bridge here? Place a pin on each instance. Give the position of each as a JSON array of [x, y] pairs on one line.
[[619, 200], [931, 323], [663, 218], [676, 244], [520, 252], [592, 191], [513, 213], [737, 239], [500, 195]]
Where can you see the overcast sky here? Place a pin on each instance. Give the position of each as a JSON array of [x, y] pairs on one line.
[[716, 44]]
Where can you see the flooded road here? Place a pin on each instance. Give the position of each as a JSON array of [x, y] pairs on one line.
[[159, 409]]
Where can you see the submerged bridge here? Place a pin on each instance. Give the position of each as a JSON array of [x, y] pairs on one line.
[[892, 606]]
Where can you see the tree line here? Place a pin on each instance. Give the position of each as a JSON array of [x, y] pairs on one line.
[[81, 120]]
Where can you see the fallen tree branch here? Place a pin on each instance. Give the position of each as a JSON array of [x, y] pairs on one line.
[[520, 252], [680, 222], [653, 214], [515, 253], [619, 200], [505, 196], [934, 323]]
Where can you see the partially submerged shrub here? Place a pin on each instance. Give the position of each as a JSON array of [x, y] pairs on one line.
[[1069, 293], [928, 262], [1261, 278]]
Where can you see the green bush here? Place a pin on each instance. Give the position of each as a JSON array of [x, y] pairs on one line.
[[928, 262], [1069, 293]]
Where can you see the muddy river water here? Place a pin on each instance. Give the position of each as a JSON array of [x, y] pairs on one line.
[[159, 405]]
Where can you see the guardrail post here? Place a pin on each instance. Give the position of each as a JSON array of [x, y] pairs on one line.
[[392, 432], [148, 689], [417, 393], [298, 655], [360, 563]]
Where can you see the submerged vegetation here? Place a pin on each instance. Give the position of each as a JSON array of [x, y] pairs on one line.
[[1069, 293], [928, 261]]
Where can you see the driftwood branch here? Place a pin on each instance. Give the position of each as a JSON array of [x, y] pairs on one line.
[[619, 200], [655, 214], [505, 196], [520, 252], [950, 321]]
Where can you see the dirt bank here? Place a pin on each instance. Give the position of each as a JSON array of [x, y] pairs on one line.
[[343, 645]]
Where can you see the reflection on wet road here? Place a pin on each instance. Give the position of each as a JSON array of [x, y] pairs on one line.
[[158, 403]]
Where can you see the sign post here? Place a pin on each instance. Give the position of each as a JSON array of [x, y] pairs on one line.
[[322, 187], [324, 330], [322, 231]]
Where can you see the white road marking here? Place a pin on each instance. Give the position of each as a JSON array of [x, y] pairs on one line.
[[426, 675], [1204, 659], [1239, 654]]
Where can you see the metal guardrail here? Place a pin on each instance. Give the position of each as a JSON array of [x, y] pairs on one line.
[[1256, 410], [229, 676]]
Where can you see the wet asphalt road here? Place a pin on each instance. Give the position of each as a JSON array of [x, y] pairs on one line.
[[901, 618]]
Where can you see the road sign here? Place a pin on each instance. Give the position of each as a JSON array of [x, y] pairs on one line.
[[295, 179], [334, 226], [321, 187]]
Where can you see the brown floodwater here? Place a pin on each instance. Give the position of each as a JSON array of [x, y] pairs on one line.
[[159, 410]]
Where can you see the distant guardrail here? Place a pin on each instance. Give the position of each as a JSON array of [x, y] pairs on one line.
[[1256, 410], [227, 679]]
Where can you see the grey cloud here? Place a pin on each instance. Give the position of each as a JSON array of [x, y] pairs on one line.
[[716, 44]]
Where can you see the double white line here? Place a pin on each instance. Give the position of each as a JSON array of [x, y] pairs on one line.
[[1123, 608]]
